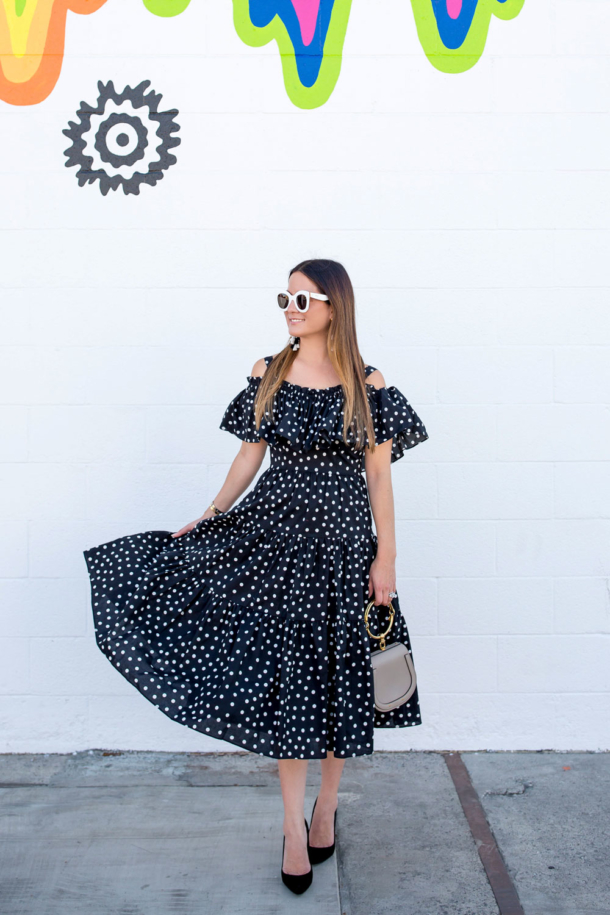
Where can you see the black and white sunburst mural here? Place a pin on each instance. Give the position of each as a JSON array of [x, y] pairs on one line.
[[123, 140]]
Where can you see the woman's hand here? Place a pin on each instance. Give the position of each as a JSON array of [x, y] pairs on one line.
[[242, 471], [208, 513], [382, 580]]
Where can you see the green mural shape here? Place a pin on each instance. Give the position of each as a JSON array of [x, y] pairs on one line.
[[166, 7], [299, 93], [459, 59], [453, 34]]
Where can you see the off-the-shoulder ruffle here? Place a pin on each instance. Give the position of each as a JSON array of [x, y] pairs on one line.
[[239, 415], [395, 418], [305, 416]]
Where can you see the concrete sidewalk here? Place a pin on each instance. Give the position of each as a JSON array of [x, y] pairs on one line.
[[125, 833]]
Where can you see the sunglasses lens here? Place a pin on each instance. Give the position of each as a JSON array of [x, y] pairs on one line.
[[282, 300], [301, 301]]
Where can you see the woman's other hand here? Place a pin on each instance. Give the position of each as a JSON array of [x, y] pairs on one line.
[[242, 471], [382, 580], [208, 513]]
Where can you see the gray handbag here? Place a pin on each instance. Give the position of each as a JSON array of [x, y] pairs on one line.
[[393, 671]]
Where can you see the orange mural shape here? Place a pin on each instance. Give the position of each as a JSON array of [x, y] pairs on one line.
[[32, 35]]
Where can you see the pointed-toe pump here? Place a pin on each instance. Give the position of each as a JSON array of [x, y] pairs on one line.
[[298, 883], [319, 854]]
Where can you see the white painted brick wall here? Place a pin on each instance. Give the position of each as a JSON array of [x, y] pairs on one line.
[[473, 212]]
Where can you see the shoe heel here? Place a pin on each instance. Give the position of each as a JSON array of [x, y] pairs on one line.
[[297, 883], [318, 854]]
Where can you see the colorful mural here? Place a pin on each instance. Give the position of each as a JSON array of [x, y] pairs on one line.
[[32, 36], [453, 32], [309, 34], [123, 141], [166, 7]]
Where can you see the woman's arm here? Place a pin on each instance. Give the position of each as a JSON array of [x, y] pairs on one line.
[[242, 471], [382, 575]]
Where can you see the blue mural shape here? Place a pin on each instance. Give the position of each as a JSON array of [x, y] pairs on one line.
[[308, 56], [453, 29]]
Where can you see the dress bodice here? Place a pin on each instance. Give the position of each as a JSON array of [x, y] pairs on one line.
[[306, 429]]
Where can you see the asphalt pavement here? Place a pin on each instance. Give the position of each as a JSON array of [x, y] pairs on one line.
[[104, 832]]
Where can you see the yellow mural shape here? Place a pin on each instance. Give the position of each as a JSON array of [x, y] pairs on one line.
[[32, 34]]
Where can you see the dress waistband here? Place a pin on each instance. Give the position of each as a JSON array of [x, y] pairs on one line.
[[313, 462]]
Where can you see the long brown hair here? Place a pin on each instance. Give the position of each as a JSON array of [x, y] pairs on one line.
[[332, 280]]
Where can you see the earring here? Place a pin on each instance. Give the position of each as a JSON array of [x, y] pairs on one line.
[[295, 342]]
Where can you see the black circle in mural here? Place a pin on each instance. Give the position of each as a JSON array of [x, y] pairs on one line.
[[122, 141]]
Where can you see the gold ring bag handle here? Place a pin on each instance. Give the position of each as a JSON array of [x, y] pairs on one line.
[[394, 676], [383, 634]]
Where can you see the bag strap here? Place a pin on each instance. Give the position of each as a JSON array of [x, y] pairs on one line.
[[381, 637]]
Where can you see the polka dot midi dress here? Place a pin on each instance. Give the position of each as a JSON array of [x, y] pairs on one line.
[[250, 628]]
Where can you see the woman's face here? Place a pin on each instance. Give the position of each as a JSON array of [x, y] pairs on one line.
[[317, 316]]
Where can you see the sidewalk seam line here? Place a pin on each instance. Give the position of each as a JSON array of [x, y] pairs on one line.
[[493, 863]]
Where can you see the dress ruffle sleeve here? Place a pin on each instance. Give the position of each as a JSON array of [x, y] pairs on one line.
[[239, 416], [395, 418], [306, 416]]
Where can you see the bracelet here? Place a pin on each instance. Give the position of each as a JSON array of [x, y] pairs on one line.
[[215, 509]]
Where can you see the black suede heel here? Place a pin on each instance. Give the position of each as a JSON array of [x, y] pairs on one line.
[[298, 883], [317, 855]]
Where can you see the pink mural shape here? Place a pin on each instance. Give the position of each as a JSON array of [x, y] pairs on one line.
[[454, 8], [307, 14]]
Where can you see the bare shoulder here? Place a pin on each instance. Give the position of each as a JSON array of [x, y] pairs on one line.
[[376, 379], [259, 368]]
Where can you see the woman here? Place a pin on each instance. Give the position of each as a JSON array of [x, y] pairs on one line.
[[248, 623]]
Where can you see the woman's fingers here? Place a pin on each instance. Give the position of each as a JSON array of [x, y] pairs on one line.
[[382, 595], [185, 529], [382, 592]]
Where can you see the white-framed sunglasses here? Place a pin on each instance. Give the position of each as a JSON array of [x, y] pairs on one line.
[[300, 299]]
